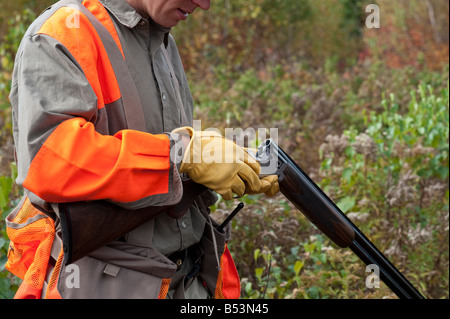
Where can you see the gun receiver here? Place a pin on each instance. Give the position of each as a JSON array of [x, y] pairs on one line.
[[306, 196]]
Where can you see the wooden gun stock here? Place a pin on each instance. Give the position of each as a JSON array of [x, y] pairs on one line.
[[301, 191], [87, 226]]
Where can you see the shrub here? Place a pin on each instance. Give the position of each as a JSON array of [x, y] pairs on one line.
[[396, 173]]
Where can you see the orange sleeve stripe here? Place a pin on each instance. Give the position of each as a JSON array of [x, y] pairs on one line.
[[73, 30], [99, 11], [76, 163]]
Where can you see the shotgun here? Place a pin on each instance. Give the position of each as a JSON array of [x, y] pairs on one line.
[[306, 196], [87, 226]]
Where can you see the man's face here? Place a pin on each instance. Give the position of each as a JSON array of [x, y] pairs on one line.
[[168, 12]]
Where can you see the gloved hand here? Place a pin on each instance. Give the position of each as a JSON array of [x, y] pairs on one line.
[[220, 164], [270, 186]]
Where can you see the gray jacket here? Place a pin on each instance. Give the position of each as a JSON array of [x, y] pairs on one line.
[[49, 87]]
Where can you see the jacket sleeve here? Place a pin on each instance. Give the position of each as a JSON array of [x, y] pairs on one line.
[[61, 157]]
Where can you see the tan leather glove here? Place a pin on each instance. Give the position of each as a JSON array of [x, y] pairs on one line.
[[270, 186], [219, 164]]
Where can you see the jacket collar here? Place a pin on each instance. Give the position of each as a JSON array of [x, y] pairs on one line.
[[123, 12], [126, 15]]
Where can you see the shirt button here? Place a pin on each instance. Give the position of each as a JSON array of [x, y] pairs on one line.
[[183, 224], [164, 96]]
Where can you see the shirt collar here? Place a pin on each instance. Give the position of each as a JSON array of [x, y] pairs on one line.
[[123, 12], [128, 16]]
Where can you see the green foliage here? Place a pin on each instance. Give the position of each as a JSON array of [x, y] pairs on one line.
[[389, 174], [17, 26], [252, 99], [364, 112], [9, 192], [237, 35], [8, 283], [397, 173]]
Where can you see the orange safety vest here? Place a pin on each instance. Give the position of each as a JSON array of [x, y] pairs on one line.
[[31, 235], [32, 232]]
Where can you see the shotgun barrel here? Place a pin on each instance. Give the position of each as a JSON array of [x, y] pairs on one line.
[[306, 196]]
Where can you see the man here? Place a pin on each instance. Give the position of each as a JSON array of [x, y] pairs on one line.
[[73, 143]]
